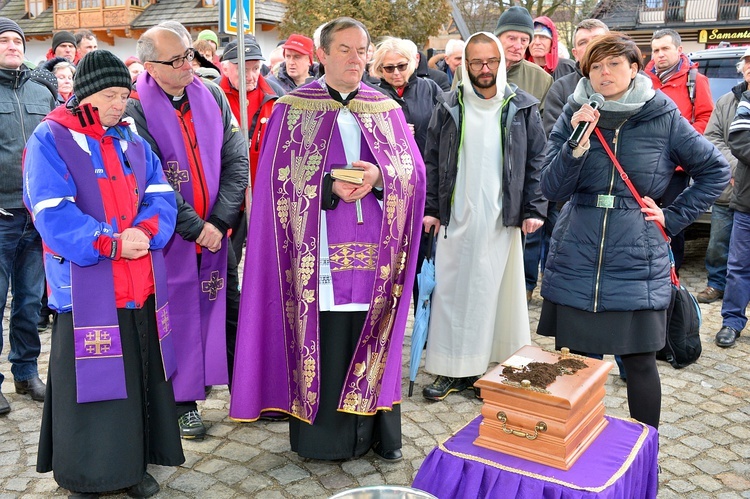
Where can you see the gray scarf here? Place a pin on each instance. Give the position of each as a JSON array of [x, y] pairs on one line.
[[614, 113]]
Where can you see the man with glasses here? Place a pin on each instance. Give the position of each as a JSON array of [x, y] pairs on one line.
[[483, 157], [190, 127]]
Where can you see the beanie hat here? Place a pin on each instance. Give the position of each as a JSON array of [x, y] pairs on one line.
[[209, 35], [515, 18], [9, 25], [301, 44], [99, 70], [62, 37]]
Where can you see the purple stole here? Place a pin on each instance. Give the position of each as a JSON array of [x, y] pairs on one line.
[[198, 295], [277, 365], [100, 371]]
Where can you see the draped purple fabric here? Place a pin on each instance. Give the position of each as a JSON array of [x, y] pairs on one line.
[[197, 294], [621, 462], [277, 360]]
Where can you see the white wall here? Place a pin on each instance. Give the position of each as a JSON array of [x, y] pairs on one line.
[[125, 47]]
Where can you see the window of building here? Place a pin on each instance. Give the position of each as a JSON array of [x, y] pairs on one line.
[[114, 3], [209, 3], [67, 5], [90, 4], [36, 7], [654, 4]]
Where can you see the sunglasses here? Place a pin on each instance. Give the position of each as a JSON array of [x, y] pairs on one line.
[[401, 68]]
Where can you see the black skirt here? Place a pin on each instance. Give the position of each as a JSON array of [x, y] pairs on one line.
[[337, 435], [616, 333], [105, 446]]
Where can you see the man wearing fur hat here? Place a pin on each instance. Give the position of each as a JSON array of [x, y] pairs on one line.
[[25, 103], [105, 211], [484, 192]]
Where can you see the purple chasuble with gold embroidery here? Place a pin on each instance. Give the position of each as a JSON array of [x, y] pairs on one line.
[[197, 295], [277, 366], [100, 371]]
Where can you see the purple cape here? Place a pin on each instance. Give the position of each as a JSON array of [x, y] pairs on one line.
[[197, 295], [277, 365]]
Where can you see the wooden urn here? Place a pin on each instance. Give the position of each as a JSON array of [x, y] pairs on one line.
[[552, 425]]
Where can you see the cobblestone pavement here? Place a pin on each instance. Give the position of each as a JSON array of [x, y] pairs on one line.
[[704, 434]]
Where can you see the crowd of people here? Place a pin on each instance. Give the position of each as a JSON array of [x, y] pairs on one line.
[[129, 200]]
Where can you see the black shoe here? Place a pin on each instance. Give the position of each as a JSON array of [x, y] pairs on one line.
[[443, 385], [470, 381], [148, 487], [34, 387], [4, 405], [274, 417], [83, 495], [727, 336], [191, 426], [391, 456], [43, 323]]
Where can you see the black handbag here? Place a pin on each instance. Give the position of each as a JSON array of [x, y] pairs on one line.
[[683, 343]]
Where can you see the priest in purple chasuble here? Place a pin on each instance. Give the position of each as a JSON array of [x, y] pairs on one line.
[[323, 309], [190, 127], [105, 212]]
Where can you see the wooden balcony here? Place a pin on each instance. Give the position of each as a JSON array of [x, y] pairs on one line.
[[103, 17], [675, 12]]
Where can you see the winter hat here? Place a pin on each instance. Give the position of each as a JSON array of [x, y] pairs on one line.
[[98, 70], [301, 44], [132, 60], [542, 30], [515, 18], [209, 35], [62, 37], [252, 51], [8, 25]]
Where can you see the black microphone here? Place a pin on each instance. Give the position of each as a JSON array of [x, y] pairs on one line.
[[595, 101]]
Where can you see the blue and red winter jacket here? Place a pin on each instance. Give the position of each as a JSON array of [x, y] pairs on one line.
[[68, 234]]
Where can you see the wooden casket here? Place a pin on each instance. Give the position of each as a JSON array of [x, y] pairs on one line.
[[552, 425]]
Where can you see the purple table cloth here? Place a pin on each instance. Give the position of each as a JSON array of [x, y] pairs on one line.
[[620, 463]]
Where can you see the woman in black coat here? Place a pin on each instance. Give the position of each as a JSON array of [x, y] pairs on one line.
[[395, 63], [606, 285]]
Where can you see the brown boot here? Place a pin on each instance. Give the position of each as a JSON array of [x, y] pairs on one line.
[[709, 295]]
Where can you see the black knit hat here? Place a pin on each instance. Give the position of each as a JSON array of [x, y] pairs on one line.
[[9, 25], [515, 18], [98, 70], [62, 37]]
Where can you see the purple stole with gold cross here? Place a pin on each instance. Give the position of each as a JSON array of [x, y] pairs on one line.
[[197, 294], [100, 370]]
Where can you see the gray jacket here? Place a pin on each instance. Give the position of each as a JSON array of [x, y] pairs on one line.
[[23, 105], [717, 131], [523, 156]]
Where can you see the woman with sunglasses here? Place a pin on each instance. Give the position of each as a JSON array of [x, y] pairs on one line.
[[395, 62]]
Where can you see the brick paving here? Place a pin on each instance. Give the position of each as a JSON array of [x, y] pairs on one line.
[[704, 434]]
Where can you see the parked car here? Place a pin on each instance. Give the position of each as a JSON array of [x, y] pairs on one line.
[[720, 67]]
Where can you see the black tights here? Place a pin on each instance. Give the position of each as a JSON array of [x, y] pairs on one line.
[[644, 387]]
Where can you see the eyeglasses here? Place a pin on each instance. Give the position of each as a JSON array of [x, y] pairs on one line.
[[492, 64], [401, 68], [178, 62]]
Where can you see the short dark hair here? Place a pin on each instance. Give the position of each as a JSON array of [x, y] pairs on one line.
[[589, 24], [340, 24], [668, 32], [84, 33], [611, 45]]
